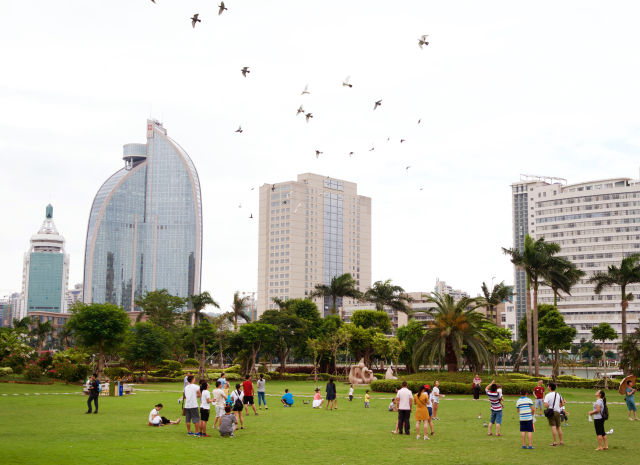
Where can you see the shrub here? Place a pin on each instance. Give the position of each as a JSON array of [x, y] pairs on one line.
[[16, 362], [297, 369], [4, 371], [116, 372], [446, 387], [190, 362], [233, 369], [171, 365], [45, 361], [32, 371]]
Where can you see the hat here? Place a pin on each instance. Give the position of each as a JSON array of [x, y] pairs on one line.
[[426, 386]]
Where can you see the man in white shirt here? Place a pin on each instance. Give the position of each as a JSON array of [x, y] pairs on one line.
[[554, 401], [192, 415], [219, 399], [405, 401]]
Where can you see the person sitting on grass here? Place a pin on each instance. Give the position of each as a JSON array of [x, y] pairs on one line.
[[524, 405], [317, 399], [156, 420], [287, 399], [228, 423]]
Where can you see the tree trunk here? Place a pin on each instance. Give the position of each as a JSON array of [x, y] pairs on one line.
[[516, 364], [556, 363], [146, 371], [536, 359], [201, 368], [604, 365], [529, 335], [624, 304], [450, 358], [221, 357], [283, 359], [100, 360]]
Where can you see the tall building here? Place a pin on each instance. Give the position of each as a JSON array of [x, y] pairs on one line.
[[596, 224], [145, 226], [311, 230], [45, 274], [74, 295], [443, 288]]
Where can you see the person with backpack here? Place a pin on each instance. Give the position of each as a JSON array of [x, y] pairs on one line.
[[94, 393], [553, 403], [600, 414], [237, 398]]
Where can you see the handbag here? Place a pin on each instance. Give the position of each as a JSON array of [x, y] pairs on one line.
[[549, 411]]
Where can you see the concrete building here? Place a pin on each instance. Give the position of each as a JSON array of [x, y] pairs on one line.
[[45, 273], [74, 295], [145, 225], [504, 315], [311, 230], [596, 224], [398, 319], [443, 288]]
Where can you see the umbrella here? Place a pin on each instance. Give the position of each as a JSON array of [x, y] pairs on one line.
[[623, 384]]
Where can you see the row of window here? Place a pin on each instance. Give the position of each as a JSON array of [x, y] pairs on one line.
[[597, 206], [590, 198]]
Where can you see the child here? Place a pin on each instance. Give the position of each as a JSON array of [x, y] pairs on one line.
[[564, 416], [228, 423], [629, 391], [525, 409], [351, 393], [317, 399], [367, 399]]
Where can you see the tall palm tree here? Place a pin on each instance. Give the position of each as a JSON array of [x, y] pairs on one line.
[[495, 297], [455, 325], [628, 273], [535, 260], [22, 324], [237, 310], [562, 275], [41, 330], [384, 293], [64, 337], [198, 303], [341, 286]]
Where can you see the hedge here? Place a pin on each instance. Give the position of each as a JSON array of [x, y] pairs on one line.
[[4, 371], [446, 387], [190, 362], [116, 372]]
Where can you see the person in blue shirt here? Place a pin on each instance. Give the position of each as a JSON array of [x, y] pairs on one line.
[[287, 399]]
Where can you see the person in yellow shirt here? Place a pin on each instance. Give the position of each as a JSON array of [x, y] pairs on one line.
[[422, 412], [367, 399]]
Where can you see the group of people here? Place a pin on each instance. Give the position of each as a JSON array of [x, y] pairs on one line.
[[426, 401]]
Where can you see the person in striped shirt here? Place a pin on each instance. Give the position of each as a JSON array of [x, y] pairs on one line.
[[525, 409], [495, 398]]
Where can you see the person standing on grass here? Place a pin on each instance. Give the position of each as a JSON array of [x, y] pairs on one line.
[[331, 395], [192, 415], [629, 391], [495, 400], [94, 393], [351, 393], [525, 409], [477, 381], [205, 407], [223, 380], [247, 399], [538, 392], [435, 394], [554, 401], [427, 390], [422, 412], [261, 392], [219, 400], [367, 399], [237, 397], [405, 401], [598, 414], [228, 423]]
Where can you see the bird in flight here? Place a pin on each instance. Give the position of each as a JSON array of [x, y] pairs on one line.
[[372, 149], [251, 216], [420, 121], [273, 188], [306, 90], [154, 1], [245, 71], [377, 104], [423, 40], [222, 8], [350, 153], [402, 140], [407, 168], [318, 153], [346, 83], [308, 116], [300, 110], [421, 188], [240, 206], [239, 129], [194, 20]]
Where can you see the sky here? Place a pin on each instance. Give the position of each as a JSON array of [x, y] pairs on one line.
[[504, 88]]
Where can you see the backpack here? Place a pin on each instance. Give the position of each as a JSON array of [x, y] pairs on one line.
[[238, 403], [99, 385], [605, 412]]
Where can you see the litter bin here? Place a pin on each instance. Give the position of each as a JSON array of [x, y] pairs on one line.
[[120, 388], [112, 389]]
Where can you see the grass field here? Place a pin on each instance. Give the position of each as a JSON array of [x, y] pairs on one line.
[[53, 429]]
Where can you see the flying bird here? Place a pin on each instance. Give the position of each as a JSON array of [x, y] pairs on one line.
[[306, 90], [222, 8], [377, 104], [345, 83], [407, 168], [423, 40], [273, 188], [420, 121], [372, 149], [350, 153], [245, 71], [154, 1], [297, 206], [300, 110], [239, 129], [308, 115], [422, 188], [318, 153], [240, 206], [251, 216], [402, 140], [194, 20]]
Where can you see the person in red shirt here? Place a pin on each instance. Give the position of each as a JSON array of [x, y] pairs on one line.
[[247, 388], [538, 391]]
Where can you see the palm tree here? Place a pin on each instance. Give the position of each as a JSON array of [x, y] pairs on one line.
[[562, 275], [64, 336], [22, 324], [455, 325], [41, 330], [496, 296], [198, 303], [237, 310], [628, 273], [384, 293], [341, 286], [535, 260]]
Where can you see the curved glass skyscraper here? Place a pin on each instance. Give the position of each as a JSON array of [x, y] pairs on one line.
[[145, 226]]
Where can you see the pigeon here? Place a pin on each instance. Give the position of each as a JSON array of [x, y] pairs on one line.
[[372, 149], [318, 153], [345, 83], [420, 121], [423, 40], [350, 153], [240, 206], [251, 216], [610, 431], [284, 202], [222, 8], [377, 104], [402, 140], [300, 110], [244, 71], [308, 116], [273, 188], [422, 188], [154, 1], [195, 20], [407, 168], [239, 129], [306, 90], [388, 139]]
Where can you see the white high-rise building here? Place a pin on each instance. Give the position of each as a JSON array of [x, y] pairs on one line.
[[596, 224]]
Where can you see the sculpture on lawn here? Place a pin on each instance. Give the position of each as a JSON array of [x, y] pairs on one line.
[[360, 374]]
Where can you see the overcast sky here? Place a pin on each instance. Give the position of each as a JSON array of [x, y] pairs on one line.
[[503, 88]]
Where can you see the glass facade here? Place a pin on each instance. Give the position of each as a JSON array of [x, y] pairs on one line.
[[45, 282], [145, 226], [333, 241]]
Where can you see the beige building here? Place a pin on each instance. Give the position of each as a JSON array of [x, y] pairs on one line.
[[311, 230]]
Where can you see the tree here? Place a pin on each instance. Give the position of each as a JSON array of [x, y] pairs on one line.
[[253, 337], [376, 319], [205, 333], [334, 341], [100, 326], [148, 344], [628, 273], [604, 332], [455, 325], [494, 297], [630, 352], [408, 336], [237, 310], [64, 336], [22, 325], [535, 260], [383, 293], [500, 341], [198, 303], [340, 287], [162, 309], [291, 332], [562, 275], [555, 335], [40, 330]]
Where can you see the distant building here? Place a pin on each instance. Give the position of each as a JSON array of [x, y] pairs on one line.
[[398, 319], [5, 312], [74, 295], [504, 314], [45, 275], [443, 288], [251, 305]]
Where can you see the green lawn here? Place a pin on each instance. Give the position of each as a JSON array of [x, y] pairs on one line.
[[50, 428]]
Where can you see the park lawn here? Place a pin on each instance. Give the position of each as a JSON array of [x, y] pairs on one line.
[[54, 429]]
